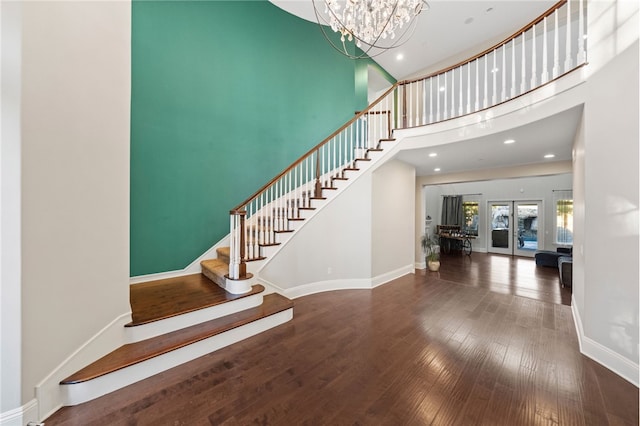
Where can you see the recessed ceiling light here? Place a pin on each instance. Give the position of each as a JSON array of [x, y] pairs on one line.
[[437, 169], [509, 141], [433, 154], [549, 156], [495, 70], [442, 89], [399, 56]]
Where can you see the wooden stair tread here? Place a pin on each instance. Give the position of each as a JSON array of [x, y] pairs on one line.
[[161, 299], [134, 353]]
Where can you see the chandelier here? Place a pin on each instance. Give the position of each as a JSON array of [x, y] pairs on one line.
[[375, 26]]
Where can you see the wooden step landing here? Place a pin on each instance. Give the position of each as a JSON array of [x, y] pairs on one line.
[[138, 352], [161, 299]]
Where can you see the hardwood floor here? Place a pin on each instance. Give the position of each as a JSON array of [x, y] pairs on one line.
[[518, 276], [427, 348]]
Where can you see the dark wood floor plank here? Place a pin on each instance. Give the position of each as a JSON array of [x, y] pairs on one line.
[[429, 348]]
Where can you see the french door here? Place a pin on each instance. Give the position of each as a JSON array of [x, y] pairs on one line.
[[513, 227]]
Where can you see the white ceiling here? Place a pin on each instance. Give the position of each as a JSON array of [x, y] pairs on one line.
[[553, 135], [442, 34], [449, 32]]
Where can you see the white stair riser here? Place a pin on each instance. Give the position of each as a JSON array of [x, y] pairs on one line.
[[156, 328], [86, 391]]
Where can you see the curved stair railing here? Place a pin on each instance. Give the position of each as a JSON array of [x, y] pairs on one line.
[[546, 49]]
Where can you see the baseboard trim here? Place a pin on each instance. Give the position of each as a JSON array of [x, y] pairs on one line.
[[615, 362], [341, 284], [48, 392], [392, 275], [21, 416]]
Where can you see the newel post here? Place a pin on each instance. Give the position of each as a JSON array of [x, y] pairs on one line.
[[237, 265]]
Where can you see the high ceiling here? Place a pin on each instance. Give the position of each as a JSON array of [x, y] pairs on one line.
[[447, 33], [450, 30]]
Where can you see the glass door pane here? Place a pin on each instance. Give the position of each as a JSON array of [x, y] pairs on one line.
[[499, 226], [528, 220]]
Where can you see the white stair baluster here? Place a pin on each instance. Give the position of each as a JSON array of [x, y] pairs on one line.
[[534, 70], [556, 47], [503, 71], [513, 68], [477, 104], [460, 98], [430, 99], [444, 94], [469, 88], [582, 53], [438, 98], [545, 52], [523, 76], [494, 73], [410, 111], [453, 93], [485, 93], [417, 106], [568, 62]]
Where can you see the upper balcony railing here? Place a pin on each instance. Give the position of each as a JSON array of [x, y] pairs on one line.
[[547, 48], [542, 51]]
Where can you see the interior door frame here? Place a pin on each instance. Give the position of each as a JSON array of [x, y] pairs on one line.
[[512, 234], [499, 250]]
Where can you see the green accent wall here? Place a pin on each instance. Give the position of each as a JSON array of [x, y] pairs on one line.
[[225, 94]]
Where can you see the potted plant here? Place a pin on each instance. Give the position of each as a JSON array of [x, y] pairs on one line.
[[431, 250]]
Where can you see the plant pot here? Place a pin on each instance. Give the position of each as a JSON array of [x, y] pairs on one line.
[[434, 265]]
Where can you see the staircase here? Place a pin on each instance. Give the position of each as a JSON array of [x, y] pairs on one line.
[[176, 320]]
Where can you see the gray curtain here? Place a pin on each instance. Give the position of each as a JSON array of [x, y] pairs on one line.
[[452, 212]]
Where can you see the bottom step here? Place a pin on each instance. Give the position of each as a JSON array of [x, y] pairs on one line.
[[136, 361]]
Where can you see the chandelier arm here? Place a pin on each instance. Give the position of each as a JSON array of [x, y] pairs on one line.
[[342, 51], [361, 30], [399, 40]]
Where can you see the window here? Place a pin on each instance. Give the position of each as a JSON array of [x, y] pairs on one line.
[[470, 209], [564, 221]]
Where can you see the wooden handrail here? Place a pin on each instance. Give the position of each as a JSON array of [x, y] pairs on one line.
[[494, 47], [240, 206]]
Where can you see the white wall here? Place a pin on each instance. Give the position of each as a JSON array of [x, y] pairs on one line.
[[333, 246], [393, 207], [608, 309], [362, 238], [10, 252], [75, 171], [516, 189]]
